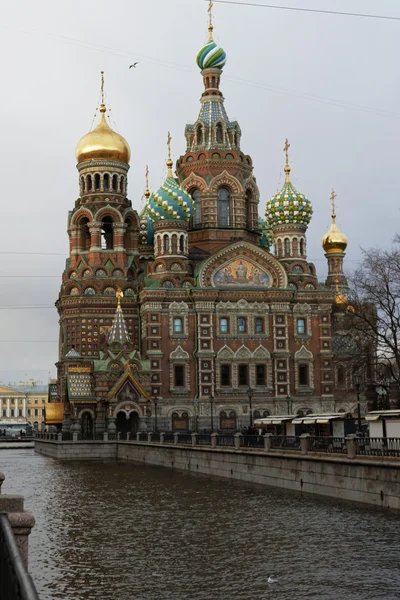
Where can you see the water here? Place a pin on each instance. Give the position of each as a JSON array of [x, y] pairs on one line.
[[114, 531]]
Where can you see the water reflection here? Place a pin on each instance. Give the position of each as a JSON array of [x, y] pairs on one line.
[[113, 531]]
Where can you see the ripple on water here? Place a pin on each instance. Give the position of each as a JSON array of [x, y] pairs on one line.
[[115, 531]]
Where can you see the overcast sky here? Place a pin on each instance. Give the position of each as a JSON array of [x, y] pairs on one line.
[[328, 83]]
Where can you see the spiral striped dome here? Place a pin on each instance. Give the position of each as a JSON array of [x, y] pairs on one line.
[[211, 56], [170, 203], [288, 206]]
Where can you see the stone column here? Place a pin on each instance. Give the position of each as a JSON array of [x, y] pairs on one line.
[[8, 408], [267, 442], [304, 442], [162, 438], [237, 437], [194, 439], [351, 446], [214, 440], [176, 438], [24, 407], [149, 436]]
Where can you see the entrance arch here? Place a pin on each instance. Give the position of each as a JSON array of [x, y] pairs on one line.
[[127, 424], [87, 425]]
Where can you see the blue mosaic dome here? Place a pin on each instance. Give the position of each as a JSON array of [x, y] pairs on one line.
[[211, 56], [170, 202], [146, 226], [288, 206]]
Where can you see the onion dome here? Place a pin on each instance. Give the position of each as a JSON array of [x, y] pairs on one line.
[[103, 143], [334, 240], [170, 202], [211, 56], [288, 205]]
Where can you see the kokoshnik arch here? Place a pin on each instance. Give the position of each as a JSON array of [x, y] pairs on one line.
[[186, 302]]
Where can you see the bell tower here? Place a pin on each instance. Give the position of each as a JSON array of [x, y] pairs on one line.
[[214, 171]]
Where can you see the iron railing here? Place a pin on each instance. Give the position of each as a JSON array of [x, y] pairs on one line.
[[285, 442], [15, 581], [184, 438], [378, 446], [168, 436], [252, 441], [155, 437], [225, 440], [204, 439], [330, 445]]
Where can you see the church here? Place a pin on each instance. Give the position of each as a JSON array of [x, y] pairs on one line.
[[197, 313]]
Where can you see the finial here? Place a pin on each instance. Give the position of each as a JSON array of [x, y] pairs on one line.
[[333, 198], [147, 191], [169, 161], [120, 295], [210, 25], [287, 168], [102, 105]]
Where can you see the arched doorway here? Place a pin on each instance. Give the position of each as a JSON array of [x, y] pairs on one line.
[[87, 426], [127, 424], [180, 423], [227, 421]]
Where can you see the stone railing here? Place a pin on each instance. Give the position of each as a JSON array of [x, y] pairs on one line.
[[15, 527], [350, 446]]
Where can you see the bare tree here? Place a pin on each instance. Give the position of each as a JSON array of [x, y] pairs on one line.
[[374, 310]]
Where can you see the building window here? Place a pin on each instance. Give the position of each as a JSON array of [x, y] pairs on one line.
[[179, 372], [303, 374], [243, 375], [29, 412], [4, 412], [340, 375], [220, 134], [225, 375], [20, 412], [287, 247], [36, 400], [197, 207], [224, 201], [178, 328], [301, 326], [302, 249], [259, 325], [12, 412], [260, 374], [224, 325], [241, 323]]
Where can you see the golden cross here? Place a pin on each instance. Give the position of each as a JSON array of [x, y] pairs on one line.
[[333, 197], [120, 295], [286, 150], [210, 26], [102, 87], [169, 145]]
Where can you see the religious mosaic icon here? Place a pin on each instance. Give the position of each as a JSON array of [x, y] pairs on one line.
[[241, 272]]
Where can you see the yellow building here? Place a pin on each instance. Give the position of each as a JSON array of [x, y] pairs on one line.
[[24, 402]]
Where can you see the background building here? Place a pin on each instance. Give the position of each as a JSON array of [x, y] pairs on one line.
[[197, 313], [24, 402]]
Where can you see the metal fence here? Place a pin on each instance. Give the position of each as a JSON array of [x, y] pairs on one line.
[[204, 439], [378, 446], [168, 436], [252, 441], [225, 440], [184, 438], [330, 445], [15, 581], [285, 442]]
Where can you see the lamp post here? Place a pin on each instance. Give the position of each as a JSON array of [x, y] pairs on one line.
[[155, 400], [211, 405], [250, 393], [289, 404], [357, 386]]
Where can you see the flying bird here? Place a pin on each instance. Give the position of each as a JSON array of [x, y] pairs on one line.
[[134, 65]]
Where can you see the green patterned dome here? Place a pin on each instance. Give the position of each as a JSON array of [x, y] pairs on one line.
[[170, 202], [211, 56], [288, 206]]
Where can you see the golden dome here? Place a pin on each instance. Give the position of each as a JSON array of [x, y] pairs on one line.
[[334, 240], [103, 143]]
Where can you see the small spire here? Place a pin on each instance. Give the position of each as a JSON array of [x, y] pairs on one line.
[[169, 161], [210, 24], [118, 331], [147, 191], [333, 198], [287, 167]]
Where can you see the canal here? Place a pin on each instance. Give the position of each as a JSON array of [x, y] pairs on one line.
[[115, 531]]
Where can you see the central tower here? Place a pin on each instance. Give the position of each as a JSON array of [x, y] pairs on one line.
[[214, 170]]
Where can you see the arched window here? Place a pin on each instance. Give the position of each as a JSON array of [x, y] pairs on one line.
[[182, 244], [219, 133], [115, 183], [200, 135], [250, 209], [88, 183], [129, 235], [84, 235], [166, 244], [106, 182], [224, 202], [227, 421], [287, 247], [213, 82], [107, 234], [174, 244], [82, 185], [301, 247], [122, 184], [301, 326], [279, 247], [340, 375], [97, 181], [197, 207], [241, 323], [178, 325], [256, 414]]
